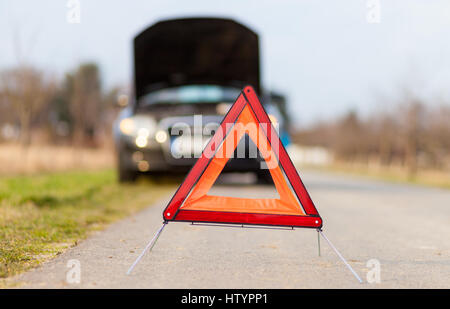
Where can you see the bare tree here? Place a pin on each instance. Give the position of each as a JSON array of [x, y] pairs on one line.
[[412, 134], [26, 91], [86, 103], [412, 118]]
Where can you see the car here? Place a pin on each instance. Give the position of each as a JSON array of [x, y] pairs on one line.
[[187, 74]]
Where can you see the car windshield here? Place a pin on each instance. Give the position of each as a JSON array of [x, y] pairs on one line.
[[191, 94]]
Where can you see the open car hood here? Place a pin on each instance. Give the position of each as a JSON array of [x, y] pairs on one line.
[[195, 51]]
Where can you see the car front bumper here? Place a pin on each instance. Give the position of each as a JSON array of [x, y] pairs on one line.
[[158, 159]]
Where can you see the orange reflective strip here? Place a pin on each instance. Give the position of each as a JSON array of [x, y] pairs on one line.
[[243, 205], [199, 200]]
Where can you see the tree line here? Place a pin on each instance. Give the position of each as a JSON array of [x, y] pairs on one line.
[[412, 134], [37, 107]]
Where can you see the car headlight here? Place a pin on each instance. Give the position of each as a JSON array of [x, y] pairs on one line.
[[161, 136], [138, 126], [273, 119]]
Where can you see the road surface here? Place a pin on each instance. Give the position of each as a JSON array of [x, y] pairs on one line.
[[406, 228]]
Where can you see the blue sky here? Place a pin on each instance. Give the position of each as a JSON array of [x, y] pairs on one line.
[[323, 54]]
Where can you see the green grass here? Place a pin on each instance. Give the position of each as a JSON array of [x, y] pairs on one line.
[[42, 215], [430, 178]]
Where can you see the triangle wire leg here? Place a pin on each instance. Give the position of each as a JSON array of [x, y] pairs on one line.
[[318, 240], [149, 247], [340, 256]]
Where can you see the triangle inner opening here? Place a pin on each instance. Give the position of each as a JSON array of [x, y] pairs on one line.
[[243, 184]]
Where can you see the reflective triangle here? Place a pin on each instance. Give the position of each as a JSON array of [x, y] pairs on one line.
[[192, 202]]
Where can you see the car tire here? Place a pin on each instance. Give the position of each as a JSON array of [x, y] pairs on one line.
[[263, 177], [125, 174]]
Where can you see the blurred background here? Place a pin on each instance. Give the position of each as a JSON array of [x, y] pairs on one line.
[[366, 83], [361, 88]]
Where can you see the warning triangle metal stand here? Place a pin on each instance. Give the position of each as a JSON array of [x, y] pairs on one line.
[[155, 238], [149, 247]]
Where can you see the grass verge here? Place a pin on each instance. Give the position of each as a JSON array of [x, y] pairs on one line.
[[42, 215], [430, 178]]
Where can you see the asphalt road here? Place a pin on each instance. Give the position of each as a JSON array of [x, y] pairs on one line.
[[406, 228]]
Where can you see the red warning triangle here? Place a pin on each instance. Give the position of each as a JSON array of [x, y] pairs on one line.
[[192, 203]]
